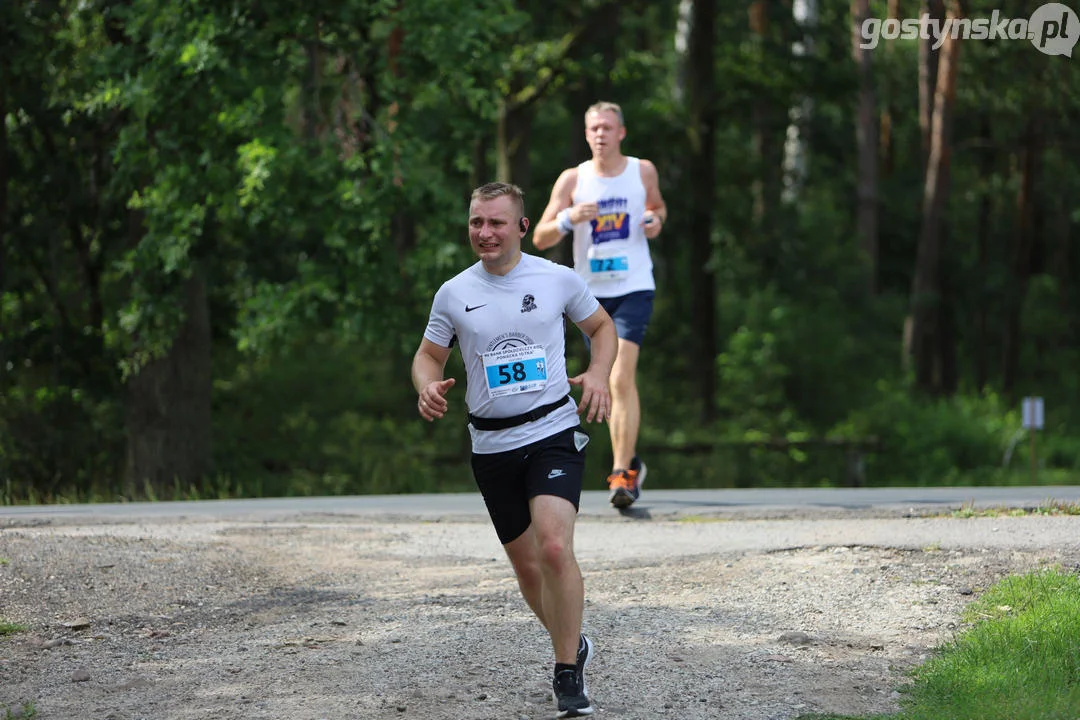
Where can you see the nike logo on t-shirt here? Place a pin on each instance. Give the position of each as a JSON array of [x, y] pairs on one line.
[[474, 307]]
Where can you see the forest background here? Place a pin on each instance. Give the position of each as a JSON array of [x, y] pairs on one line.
[[221, 225]]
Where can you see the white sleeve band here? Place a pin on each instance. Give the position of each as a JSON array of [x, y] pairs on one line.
[[564, 221]]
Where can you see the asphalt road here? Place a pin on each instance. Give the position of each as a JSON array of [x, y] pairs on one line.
[[659, 503]]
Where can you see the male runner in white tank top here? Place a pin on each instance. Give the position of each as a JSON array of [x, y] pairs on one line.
[[612, 205], [506, 313]]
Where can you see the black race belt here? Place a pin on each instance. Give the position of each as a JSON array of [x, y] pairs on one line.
[[481, 423]]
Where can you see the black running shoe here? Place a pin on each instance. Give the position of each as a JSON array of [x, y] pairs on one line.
[[584, 655], [570, 695]]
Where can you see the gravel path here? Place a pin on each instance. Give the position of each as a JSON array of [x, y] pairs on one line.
[[325, 616]]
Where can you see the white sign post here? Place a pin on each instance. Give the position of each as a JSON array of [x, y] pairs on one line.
[[1034, 418]]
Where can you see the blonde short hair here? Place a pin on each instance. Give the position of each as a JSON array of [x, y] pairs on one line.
[[490, 191], [605, 107]]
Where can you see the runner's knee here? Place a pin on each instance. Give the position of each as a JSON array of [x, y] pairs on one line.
[[555, 553], [623, 382]]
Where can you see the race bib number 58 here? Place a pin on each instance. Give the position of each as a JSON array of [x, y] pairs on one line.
[[515, 370]]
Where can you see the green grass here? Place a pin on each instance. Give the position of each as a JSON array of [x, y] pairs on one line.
[[8, 628], [1050, 507], [1019, 660], [212, 488], [27, 711]]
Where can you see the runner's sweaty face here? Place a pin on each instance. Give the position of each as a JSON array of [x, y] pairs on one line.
[[494, 232], [604, 133]]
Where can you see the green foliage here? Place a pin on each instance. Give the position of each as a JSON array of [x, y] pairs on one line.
[[1054, 451], [932, 441], [272, 147], [63, 437], [321, 421], [313, 165], [753, 376]]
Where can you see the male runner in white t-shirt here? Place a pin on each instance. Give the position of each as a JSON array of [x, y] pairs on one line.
[[612, 205], [506, 314]]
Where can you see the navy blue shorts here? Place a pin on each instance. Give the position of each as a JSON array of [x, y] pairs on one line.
[[631, 314], [508, 480]]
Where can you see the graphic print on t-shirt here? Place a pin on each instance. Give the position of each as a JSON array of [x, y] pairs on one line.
[[514, 364], [612, 221], [608, 257]]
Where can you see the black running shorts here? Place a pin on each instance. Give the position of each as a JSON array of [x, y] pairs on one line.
[[508, 480]]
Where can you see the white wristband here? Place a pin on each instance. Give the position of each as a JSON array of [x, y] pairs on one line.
[[563, 219]]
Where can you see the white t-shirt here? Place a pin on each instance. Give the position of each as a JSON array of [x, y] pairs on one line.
[[611, 252], [512, 337]]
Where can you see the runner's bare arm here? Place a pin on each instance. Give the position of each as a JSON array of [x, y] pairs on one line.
[[428, 366], [547, 232], [655, 207], [595, 381]]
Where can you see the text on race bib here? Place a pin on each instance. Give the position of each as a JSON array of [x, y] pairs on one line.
[[515, 370], [609, 261]]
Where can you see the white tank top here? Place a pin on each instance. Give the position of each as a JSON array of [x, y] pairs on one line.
[[611, 252]]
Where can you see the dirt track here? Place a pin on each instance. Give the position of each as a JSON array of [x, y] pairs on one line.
[[310, 617]]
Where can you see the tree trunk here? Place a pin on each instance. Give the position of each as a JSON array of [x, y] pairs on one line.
[[796, 152], [1023, 254], [866, 141], [947, 374], [369, 95], [924, 338], [169, 432], [3, 228], [982, 239], [312, 122], [685, 16], [514, 142], [403, 222], [885, 140], [762, 137], [928, 78], [603, 38], [479, 174], [1061, 262], [701, 93]]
